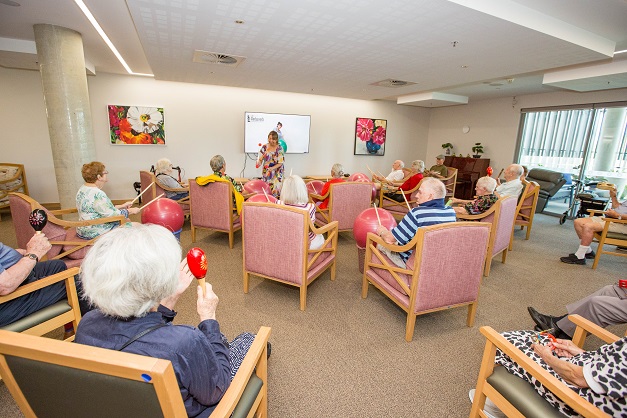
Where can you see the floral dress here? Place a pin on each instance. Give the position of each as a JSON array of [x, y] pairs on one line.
[[481, 204], [238, 186], [274, 178], [93, 203]]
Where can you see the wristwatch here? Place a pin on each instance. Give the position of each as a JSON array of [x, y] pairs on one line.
[[32, 257]]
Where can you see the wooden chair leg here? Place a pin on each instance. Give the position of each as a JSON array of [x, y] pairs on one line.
[[472, 311], [364, 286], [333, 269], [246, 281], [504, 256], [488, 264], [409, 327], [528, 231], [193, 234], [303, 296], [231, 239]]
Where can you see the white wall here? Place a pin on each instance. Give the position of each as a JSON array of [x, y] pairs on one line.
[[495, 123], [200, 121]]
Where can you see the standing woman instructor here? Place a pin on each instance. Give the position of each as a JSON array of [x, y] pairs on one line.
[[271, 158]]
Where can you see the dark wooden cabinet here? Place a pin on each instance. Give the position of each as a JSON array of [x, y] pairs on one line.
[[468, 172]]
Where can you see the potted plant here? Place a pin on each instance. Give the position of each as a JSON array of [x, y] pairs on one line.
[[448, 147], [477, 149]]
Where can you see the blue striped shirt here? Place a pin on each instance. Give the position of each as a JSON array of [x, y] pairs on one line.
[[428, 213]]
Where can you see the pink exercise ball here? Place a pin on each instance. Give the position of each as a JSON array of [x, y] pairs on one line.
[[367, 221], [356, 176], [315, 186], [374, 188], [260, 197], [256, 186], [164, 212]]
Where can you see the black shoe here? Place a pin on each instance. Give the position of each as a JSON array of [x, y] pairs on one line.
[[269, 349], [558, 333], [572, 259], [591, 255], [541, 320]]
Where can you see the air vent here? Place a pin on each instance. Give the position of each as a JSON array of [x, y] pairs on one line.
[[206, 57], [390, 82]]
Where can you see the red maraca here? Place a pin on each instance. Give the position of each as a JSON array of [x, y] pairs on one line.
[[38, 220], [197, 262], [489, 171]]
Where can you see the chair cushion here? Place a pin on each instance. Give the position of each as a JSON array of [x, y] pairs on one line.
[[38, 317], [79, 254], [521, 394], [246, 401]]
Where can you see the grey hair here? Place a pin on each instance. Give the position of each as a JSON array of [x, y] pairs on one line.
[[216, 163], [517, 169], [435, 186], [401, 163], [487, 183], [337, 170], [163, 166], [294, 191], [131, 269], [418, 165]]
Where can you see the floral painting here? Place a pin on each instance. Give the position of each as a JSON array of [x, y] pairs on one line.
[[370, 135], [136, 125]]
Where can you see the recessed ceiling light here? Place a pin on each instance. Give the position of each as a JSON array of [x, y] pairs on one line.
[[239, 22], [464, 66]]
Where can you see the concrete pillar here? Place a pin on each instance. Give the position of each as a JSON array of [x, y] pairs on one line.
[[62, 69]]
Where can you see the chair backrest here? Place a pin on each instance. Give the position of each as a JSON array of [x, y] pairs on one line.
[[211, 206], [450, 181], [148, 179], [347, 200], [261, 255], [505, 224], [528, 202], [12, 179]]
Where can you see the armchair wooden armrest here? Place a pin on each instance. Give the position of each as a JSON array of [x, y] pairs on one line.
[[72, 224], [393, 247], [63, 211], [585, 327], [40, 284], [318, 197], [321, 230], [467, 217]]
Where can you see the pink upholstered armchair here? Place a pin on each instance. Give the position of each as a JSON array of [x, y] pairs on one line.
[[66, 245], [438, 275], [501, 216], [346, 201], [293, 263], [526, 208], [398, 209], [211, 207]]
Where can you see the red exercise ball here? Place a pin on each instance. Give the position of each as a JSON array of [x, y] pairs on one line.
[[356, 176], [164, 212], [260, 197], [256, 186], [374, 188], [367, 221], [315, 186]]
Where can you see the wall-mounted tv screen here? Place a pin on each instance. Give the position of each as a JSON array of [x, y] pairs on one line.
[[293, 131]]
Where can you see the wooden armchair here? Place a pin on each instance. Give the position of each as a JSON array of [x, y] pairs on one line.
[[294, 263], [346, 201], [501, 216], [211, 207], [526, 208], [431, 281], [515, 396], [450, 181], [148, 179], [12, 179], [96, 382], [51, 317], [66, 245], [396, 208], [606, 237]]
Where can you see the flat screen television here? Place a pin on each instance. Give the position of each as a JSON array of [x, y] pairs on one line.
[[293, 131]]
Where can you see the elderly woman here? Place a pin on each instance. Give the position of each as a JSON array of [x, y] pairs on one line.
[[337, 174], [218, 165], [418, 167], [93, 203], [163, 174], [598, 376], [270, 159], [134, 277], [484, 201], [294, 193]]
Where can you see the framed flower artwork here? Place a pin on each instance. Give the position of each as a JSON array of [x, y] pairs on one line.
[[136, 125], [370, 135]]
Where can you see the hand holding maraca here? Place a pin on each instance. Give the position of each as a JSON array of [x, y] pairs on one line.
[[38, 245], [197, 262]]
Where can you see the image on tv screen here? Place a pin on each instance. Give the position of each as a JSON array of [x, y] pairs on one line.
[[293, 131]]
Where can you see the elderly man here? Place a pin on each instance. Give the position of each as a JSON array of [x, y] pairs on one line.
[[20, 267], [438, 170], [586, 227], [396, 175], [513, 185], [606, 306], [417, 167], [430, 211]]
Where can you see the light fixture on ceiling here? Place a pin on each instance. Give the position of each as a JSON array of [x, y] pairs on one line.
[[463, 66], [105, 38], [390, 82], [10, 3], [206, 57], [239, 22], [454, 43], [620, 52]]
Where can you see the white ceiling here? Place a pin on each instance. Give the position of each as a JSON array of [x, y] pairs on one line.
[[474, 48]]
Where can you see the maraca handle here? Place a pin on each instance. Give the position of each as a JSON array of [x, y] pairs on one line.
[[201, 283]]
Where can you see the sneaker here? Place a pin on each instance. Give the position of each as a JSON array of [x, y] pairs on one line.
[[489, 409], [591, 255], [572, 259]]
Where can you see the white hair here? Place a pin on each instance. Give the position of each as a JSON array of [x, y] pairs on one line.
[[488, 183], [294, 191], [418, 165], [131, 269], [517, 170], [401, 163], [337, 170], [435, 186], [163, 166]]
